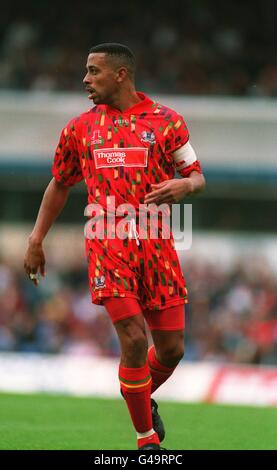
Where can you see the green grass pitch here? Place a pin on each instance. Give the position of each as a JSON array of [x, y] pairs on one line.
[[59, 422]]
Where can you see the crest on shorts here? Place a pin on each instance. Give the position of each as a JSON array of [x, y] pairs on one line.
[[148, 136], [99, 282]]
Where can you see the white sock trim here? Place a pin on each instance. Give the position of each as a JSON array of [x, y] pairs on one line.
[[140, 435]]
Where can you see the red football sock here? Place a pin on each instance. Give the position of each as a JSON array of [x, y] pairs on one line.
[[136, 386], [159, 372], [153, 439]]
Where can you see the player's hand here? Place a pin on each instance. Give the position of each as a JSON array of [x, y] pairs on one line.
[[169, 191], [34, 262]]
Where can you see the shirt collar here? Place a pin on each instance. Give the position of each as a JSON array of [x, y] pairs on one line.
[[135, 109]]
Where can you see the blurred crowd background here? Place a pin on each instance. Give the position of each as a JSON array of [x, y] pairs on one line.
[[186, 48], [232, 315]]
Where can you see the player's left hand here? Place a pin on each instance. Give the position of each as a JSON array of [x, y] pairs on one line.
[[169, 191]]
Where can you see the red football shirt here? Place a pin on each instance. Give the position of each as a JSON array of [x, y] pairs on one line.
[[121, 153]]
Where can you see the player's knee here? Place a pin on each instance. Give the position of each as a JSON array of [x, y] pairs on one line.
[[171, 356], [134, 346]]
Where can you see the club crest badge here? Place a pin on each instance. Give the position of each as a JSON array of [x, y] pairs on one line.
[[99, 282], [148, 136]]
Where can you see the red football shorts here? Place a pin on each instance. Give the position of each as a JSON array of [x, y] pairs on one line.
[[148, 271]]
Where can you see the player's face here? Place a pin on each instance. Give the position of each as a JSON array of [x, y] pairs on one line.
[[101, 79]]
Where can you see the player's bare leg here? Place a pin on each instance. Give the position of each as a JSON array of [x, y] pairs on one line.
[[133, 341], [169, 347]]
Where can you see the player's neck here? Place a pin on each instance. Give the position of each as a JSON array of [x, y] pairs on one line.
[[125, 100]]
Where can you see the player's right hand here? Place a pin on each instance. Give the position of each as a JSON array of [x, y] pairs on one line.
[[34, 262]]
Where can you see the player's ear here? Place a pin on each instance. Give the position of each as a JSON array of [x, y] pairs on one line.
[[121, 74]]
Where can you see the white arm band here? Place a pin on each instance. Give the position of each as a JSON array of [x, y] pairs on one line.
[[184, 156]]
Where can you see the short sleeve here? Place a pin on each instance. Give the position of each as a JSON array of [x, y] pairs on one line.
[[195, 166], [66, 167], [178, 134], [186, 161]]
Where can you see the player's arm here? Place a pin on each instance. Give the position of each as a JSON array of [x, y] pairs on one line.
[[54, 199], [175, 190], [66, 172]]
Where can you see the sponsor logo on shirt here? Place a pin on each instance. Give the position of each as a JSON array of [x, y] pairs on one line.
[[148, 136], [129, 157]]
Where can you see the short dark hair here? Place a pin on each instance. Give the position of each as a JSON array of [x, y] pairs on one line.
[[122, 53]]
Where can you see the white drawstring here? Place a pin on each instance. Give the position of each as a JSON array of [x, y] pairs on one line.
[[133, 231]]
